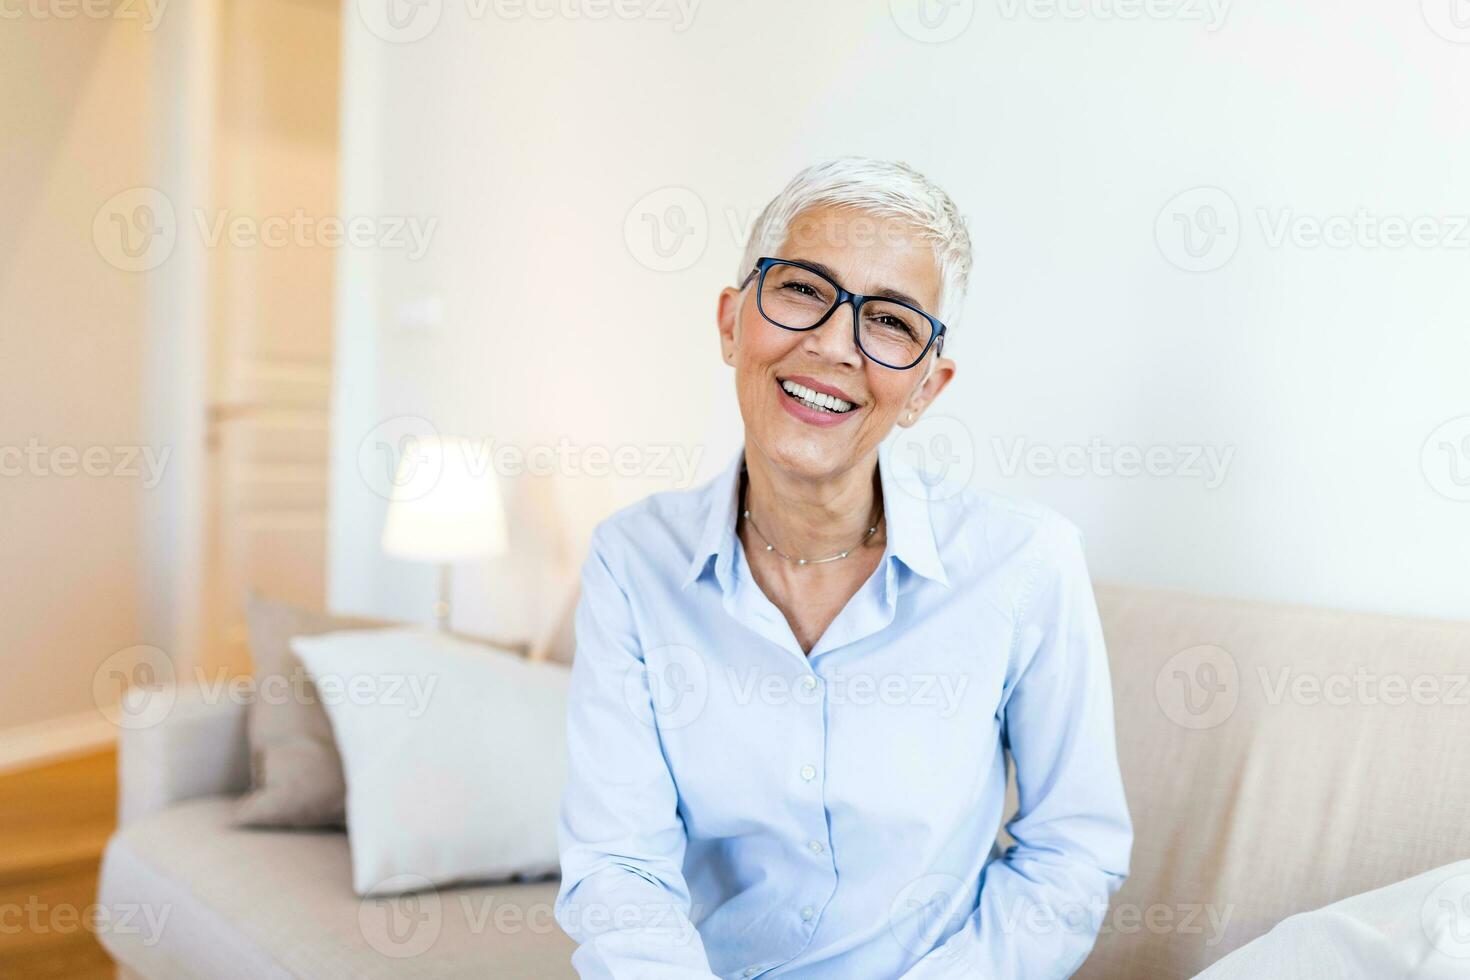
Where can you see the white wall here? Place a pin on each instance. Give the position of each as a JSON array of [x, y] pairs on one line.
[[1321, 371]]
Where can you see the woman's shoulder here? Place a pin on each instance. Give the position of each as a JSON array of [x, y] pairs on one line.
[[668, 521], [991, 527]]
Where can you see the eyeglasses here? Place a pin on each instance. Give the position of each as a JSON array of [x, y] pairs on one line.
[[796, 296]]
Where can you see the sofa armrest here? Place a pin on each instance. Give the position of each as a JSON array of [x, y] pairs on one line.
[[196, 747]]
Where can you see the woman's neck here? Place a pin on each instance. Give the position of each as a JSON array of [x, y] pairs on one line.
[[812, 518]]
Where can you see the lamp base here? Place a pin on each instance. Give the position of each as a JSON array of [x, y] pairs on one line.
[[442, 608]]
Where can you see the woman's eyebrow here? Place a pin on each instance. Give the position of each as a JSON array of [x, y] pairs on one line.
[[885, 292]]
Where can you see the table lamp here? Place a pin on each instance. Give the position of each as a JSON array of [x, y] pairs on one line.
[[444, 510]]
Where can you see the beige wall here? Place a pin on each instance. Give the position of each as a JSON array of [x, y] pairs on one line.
[[74, 129], [189, 368]]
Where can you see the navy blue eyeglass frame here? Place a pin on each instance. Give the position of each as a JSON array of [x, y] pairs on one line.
[[763, 265]]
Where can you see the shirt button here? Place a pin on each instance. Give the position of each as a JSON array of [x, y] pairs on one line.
[[750, 971], [808, 683], [815, 846], [808, 773], [807, 913]]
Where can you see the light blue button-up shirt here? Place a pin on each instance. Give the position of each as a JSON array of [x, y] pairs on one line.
[[737, 808]]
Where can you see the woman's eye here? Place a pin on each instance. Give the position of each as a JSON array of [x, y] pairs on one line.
[[800, 287], [894, 323]]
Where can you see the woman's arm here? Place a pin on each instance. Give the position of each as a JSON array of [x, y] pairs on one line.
[[623, 897], [1042, 903]]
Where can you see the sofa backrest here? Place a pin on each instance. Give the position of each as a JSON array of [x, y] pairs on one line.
[[1276, 759]]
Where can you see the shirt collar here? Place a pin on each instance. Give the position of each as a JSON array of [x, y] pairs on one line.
[[718, 535], [905, 506]]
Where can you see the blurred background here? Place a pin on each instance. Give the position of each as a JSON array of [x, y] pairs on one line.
[[253, 251]]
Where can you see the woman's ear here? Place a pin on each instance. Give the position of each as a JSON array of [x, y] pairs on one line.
[[727, 316], [936, 379]]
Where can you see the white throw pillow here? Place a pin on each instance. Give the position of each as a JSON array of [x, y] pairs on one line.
[[1419, 928], [455, 756]]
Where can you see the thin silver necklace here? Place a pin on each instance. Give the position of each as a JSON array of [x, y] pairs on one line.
[[805, 561]]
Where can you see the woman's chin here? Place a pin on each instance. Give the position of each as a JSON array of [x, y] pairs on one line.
[[811, 455]]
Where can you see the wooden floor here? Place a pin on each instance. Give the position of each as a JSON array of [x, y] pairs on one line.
[[54, 821]]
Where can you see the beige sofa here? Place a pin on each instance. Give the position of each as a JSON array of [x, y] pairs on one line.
[[1276, 759]]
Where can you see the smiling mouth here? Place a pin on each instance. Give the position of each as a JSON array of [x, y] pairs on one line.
[[816, 400]]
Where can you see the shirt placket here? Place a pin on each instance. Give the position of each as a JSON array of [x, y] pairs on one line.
[[814, 886]]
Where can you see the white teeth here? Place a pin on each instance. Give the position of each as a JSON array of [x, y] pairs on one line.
[[816, 399]]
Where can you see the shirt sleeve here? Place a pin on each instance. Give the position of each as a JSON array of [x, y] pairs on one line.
[[1042, 902], [623, 897]]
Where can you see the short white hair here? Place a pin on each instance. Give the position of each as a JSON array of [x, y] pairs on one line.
[[884, 189]]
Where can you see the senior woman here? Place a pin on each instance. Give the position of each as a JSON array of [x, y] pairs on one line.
[[797, 689]]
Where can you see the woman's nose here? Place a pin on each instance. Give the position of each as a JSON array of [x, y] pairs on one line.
[[835, 340]]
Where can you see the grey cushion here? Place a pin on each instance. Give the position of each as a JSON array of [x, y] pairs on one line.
[[295, 771], [252, 903]]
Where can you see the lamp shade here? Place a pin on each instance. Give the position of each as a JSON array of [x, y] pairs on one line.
[[446, 503]]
